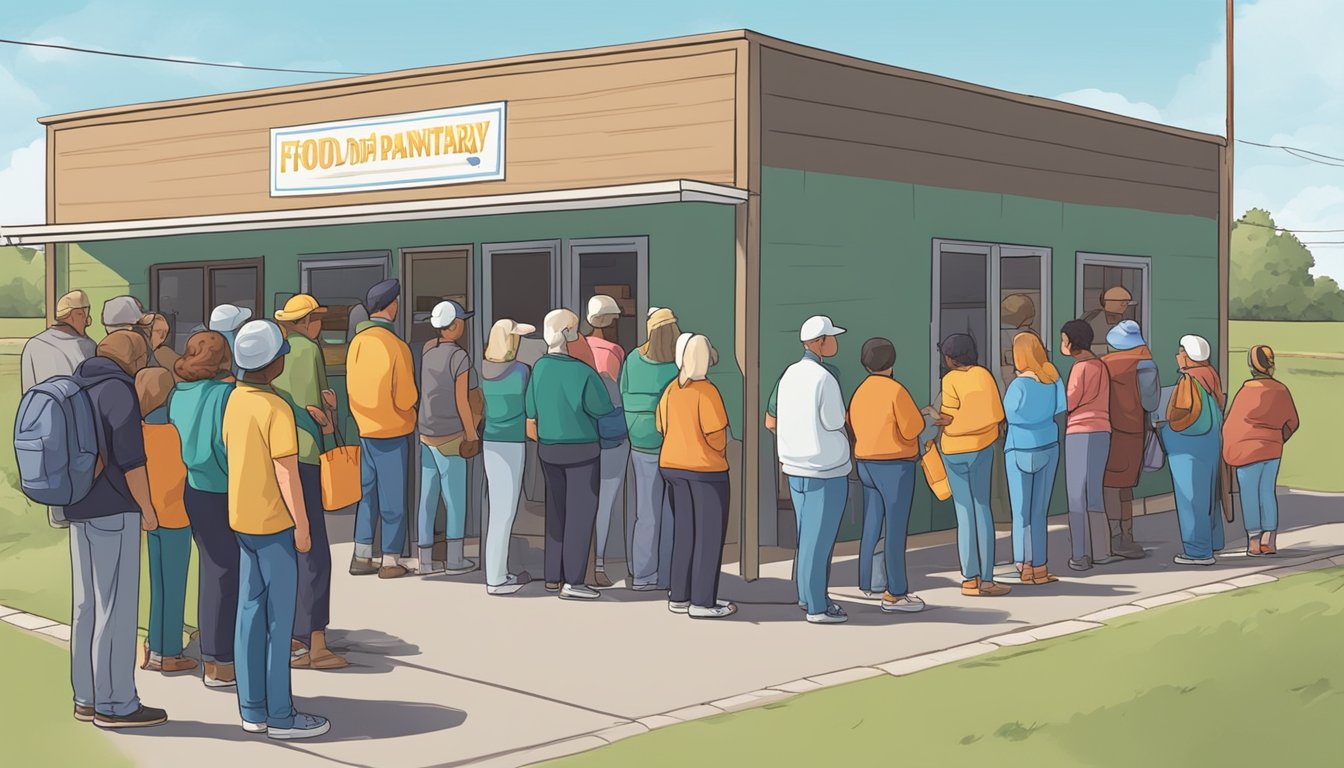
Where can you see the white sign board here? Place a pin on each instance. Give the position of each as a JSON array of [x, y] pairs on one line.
[[420, 149]]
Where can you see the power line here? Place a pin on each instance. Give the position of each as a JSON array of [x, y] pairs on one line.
[[1299, 153], [1289, 230], [76, 49]]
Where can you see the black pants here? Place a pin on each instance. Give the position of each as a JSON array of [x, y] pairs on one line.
[[217, 594], [572, 479], [700, 522], [313, 610]]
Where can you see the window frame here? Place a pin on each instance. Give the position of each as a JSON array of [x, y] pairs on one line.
[[336, 259], [1144, 264], [994, 254], [207, 266], [578, 248], [485, 304]]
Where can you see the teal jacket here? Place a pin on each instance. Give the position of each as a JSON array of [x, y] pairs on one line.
[[196, 409], [566, 398]]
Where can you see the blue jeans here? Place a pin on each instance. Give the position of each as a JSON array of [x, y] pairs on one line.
[[969, 475], [1031, 480], [888, 490], [1259, 504], [268, 586], [441, 477], [1194, 478], [169, 558], [819, 505], [383, 464]]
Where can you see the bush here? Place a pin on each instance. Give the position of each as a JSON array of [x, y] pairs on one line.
[[22, 282]]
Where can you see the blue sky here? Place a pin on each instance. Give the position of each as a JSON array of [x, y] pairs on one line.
[[1157, 59]]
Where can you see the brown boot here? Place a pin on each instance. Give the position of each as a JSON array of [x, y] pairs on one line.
[[219, 675], [971, 587], [321, 656], [990, 589], [176, 664], [1041, 575]]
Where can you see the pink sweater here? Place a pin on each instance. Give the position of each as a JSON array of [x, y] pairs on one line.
[[1089, 393], [607, 357]]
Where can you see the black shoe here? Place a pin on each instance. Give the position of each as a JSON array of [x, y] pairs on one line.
[[140, 718], [363, 566]]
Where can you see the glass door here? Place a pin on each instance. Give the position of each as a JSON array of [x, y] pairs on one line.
[[615, 267]]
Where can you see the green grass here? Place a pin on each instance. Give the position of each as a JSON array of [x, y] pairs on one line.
[[1308, 461], [1243, 678], [36, 708]]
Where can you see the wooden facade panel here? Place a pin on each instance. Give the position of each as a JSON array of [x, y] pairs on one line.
[[633, 121], [831, 117]]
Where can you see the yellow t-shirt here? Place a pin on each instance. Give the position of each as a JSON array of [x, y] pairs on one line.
[[971, 398], [885, 421], [694, 426], [258, 428]]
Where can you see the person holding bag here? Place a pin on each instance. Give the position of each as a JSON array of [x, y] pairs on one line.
[[1261, 420], [1033, 400], [197, 412], [303, 385], [970, 416], [448, 439], [1192, 436]]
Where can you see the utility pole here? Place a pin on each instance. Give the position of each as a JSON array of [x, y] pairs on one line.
[[1225, 214]]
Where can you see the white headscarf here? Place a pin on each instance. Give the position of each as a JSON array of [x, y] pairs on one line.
[[1196, 348], [559, 328], [682, 341]]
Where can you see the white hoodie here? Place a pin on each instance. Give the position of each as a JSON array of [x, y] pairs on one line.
[[810, 424]]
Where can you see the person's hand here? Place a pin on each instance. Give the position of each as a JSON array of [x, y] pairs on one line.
[[329, 399], [323, 421], [149, 521], [469, 449], [942, 420], [302, 540]]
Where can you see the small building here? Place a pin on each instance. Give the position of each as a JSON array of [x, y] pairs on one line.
[[744, 181]]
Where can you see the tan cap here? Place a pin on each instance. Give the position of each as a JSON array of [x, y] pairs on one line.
[[1017, 311], [1118, 293], [661, 318], [70, 302]]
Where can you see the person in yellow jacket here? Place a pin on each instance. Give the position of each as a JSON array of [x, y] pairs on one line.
[[380, 379]]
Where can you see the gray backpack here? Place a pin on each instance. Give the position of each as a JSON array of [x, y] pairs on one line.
[[56, 442]]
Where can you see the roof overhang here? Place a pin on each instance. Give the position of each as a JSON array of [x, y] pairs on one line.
[[652, 193]]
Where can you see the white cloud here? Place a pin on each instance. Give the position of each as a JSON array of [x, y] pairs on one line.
[[23, 188], [1109, 101], [1317, 208]]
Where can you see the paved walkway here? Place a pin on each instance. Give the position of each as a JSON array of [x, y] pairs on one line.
[[444, 675]]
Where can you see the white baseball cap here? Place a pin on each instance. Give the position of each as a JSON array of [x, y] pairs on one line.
[[258, 344], [817, 326], [227, 317], [446, 313], [602, 306], [1196, 348]]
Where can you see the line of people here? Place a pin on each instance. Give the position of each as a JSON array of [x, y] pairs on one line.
[[223, 446], [1114, 427]]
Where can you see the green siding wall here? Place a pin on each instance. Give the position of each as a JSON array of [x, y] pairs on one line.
[[860, 250], [691, 259]]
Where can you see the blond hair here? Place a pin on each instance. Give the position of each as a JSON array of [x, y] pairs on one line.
[[1029, 356], [696, 361], [502, 346]]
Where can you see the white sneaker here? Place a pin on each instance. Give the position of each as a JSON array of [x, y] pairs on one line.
[[904, 604], [431, 568], [719, 611], [510, 585], [685, 607], [457, 569], [578, 592], [1183, 560], [833, 615], [304, 727], [254, 727]]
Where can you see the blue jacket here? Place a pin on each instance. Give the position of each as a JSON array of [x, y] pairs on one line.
[[1031, 408]]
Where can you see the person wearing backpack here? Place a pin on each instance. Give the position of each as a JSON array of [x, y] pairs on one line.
[[105, 527], [1193, 439]]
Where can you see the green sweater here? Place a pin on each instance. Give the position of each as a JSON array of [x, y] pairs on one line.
[[504, 387], [642, 386], [302, 382], [566, 398]]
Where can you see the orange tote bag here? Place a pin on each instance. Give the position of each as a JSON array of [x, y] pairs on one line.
[[340, 476], [167, 474]]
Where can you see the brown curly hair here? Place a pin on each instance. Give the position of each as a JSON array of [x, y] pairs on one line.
[[207, 356]]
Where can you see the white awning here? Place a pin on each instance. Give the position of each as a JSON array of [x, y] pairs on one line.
[[681, 191]]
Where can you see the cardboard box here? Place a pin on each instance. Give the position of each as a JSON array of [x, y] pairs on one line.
[[617, 292], [627, 307]]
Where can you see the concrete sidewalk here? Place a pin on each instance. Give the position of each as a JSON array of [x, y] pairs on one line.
[[445, 675]]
